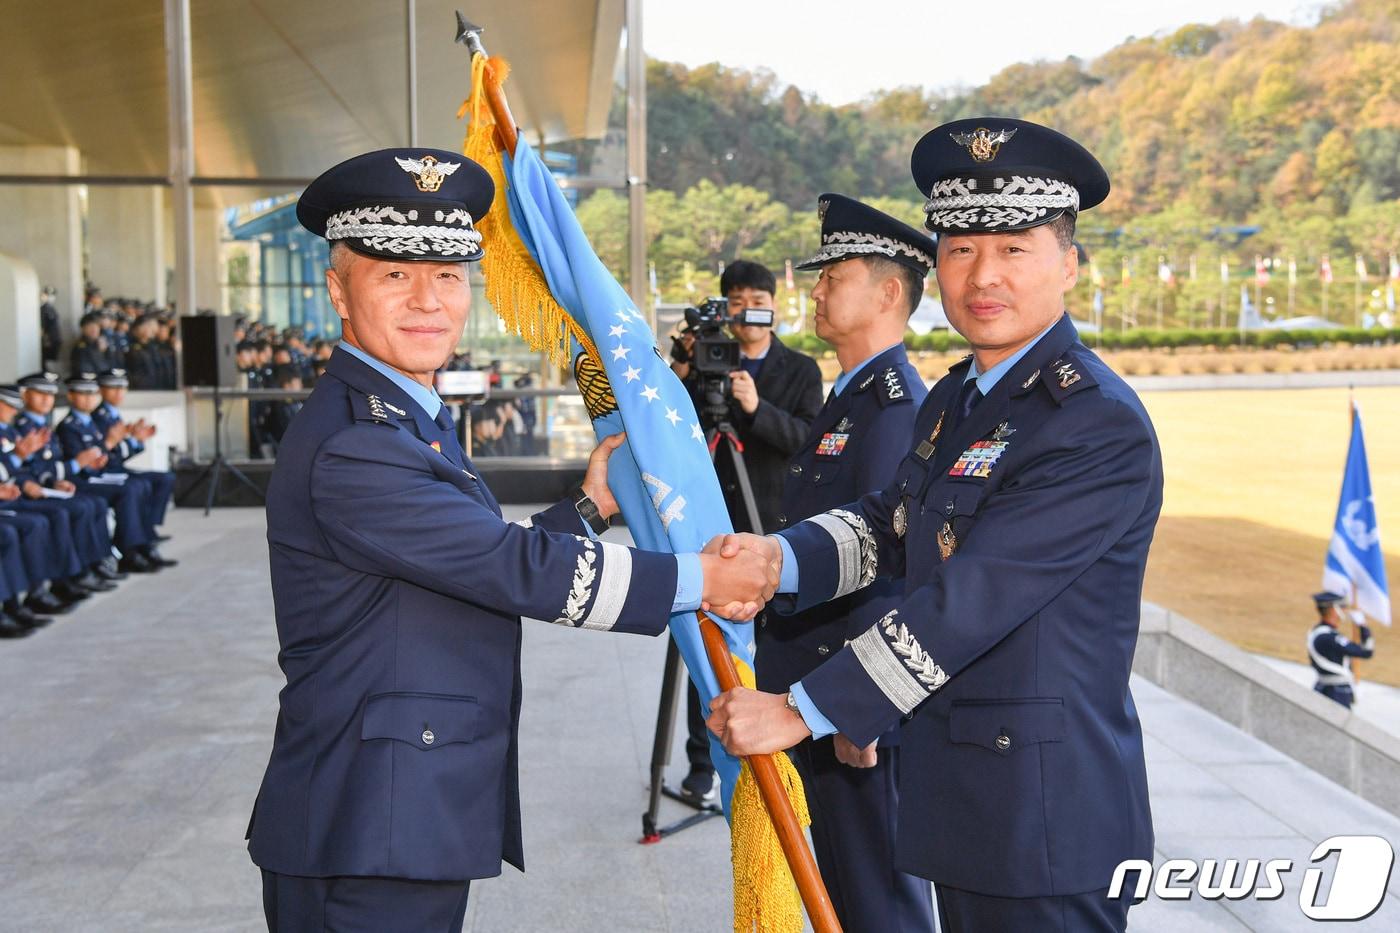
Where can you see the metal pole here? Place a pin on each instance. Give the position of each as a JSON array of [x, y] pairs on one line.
[[411, 16], [637, 162], [180, 131]]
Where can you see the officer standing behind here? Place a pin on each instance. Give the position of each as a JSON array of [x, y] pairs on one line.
[[776, 393], [399, 589], [1329, 651], [872, 278], [1020, 522]]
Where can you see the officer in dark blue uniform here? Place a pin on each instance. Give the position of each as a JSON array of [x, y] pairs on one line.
[[77, 436], [1020, 523], [399, 589], [79, 522], [872, 278], [113, 385], [1329, 650]]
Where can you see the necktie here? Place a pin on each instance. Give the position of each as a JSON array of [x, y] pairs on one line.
[[968, 396], [453, 447]]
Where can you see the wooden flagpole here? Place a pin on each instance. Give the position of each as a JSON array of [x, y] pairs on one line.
[[789, 830]]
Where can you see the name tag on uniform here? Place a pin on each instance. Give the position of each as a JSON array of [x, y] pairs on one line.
[[832, 444], [978, 459]]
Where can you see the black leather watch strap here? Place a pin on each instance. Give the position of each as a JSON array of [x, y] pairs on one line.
[[588, 511]]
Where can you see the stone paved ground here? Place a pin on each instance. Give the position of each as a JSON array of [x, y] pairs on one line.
[[133, 734]]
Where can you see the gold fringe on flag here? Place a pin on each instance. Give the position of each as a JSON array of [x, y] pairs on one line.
[[515, 286], [766, 899]]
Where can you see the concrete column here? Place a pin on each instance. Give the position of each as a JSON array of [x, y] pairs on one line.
[[126, 241], [19, 318], [44, 224], [208, 261]]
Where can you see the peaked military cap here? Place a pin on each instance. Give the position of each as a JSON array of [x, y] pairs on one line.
[[401, 204], [92, 317], [82, 382], [850, 229], [113, 379], [1327, 598], [995, 175], [9, 394], [45, 382]]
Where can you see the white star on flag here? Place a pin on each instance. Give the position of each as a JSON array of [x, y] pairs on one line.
[[620, 351], [617, 330], [633, 374], [696, 433], [624, 314], [650, 394], [672, 417]]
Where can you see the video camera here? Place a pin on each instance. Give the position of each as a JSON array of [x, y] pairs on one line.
[[714, 351]]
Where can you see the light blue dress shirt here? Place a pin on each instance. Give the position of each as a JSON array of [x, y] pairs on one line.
[[690, 579], [818, 723]]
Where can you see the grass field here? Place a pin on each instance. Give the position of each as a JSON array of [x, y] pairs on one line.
[[1252, 479]]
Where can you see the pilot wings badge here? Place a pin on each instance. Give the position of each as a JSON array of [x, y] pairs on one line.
[[428, 173], [982, 143]]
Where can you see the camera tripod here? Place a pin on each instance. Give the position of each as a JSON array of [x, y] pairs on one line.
[[719, 428]]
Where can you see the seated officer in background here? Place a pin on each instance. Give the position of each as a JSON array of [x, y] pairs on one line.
[[113, 385], [91, 352], [35, 563], [1330, 652], [81, 547], [399, 588], [12, 582], [77, 437], [1020, 522], [872, 278]]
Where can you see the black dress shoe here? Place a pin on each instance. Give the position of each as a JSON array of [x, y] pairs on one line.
[[161, 539], [111, 575], [9, 628], [47, 604], [135, 563], [153, 555], [70, 592], [26, 618], [98, 585]]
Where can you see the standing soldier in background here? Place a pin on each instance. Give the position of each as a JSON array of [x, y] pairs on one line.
[[872, 278], [1329, 651]]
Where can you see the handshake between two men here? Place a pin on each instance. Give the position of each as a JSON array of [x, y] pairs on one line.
[[750, 722]]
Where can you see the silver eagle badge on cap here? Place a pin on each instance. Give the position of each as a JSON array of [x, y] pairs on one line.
[[982, 143], [428, 173]]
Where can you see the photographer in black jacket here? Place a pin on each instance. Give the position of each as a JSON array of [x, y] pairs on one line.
[[774, 395]]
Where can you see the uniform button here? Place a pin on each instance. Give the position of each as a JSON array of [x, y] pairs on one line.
[[797, 469], [1003, 742], [782, 521], [823, 650], [817, 476], [948, 508], [428, 737]]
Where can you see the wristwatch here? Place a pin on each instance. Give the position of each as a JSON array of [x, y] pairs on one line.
[[588, 511], [792, 704]]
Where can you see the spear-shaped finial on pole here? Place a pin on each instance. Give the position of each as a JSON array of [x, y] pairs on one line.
[[469, 34]]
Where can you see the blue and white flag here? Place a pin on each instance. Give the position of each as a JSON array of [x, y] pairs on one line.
[[662, 478], [1355, 566]]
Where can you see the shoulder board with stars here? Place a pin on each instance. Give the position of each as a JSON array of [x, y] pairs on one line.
[[1066, 376], [891, 387], [370, 408]]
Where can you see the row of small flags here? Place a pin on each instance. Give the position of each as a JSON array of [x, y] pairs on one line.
[[1263, 270]]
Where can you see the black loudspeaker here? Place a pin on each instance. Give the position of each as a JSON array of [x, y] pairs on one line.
[[207, 351]]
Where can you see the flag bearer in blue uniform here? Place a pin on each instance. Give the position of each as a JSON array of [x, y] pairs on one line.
[[1330, 652], [872, 278], [1019, 521], [399, 588]]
